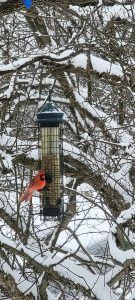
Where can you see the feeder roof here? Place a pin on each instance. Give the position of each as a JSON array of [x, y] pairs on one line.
[[50, 114]]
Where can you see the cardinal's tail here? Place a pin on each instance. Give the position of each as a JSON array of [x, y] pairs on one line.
[[25, 197]]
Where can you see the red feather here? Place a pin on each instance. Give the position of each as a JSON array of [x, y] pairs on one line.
[[38, 182]]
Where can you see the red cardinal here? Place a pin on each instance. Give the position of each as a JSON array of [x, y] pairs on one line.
[[37, 183]]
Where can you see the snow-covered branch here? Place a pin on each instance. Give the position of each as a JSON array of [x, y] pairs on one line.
[[86, 282], [10, 287]]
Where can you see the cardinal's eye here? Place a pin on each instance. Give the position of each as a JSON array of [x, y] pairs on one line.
[[42, 177]]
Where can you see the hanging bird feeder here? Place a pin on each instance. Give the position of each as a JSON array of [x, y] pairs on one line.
[[51, 156]]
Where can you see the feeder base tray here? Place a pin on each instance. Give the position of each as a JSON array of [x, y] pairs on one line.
[[51, 211]]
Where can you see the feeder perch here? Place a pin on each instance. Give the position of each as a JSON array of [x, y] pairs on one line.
[[51, 156]]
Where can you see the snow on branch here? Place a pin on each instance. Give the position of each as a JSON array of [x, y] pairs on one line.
[[11, 287], [132, 297], [122, 257], [117, 180], [9, 6], [7, 94], [7, 217], [126, 215], [127, 256], [66, 58], [67, 269], [124, 138], [100, 65]]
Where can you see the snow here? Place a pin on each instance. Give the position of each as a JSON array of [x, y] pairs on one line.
[[125, 216], [68, 269], [78, 61], [100, 65], [132, 297], [15, 65], [108, 12], [117, 10], [119, 255], [87, 229], [89, 281], [33, 154], [4, 139], [118, 180], [68, 148], [6, 160], [119, 183], [23, 285], [10, 89], [51, 296]]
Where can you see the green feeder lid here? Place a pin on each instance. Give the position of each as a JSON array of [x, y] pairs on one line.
[[49, 114]]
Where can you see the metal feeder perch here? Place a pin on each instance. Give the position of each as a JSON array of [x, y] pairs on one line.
[[51, 155]]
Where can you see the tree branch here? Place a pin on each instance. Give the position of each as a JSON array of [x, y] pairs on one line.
[[50, 273], [11, 6], [10, 289]]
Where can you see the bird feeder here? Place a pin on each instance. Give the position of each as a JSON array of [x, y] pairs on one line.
[[51, 156]]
